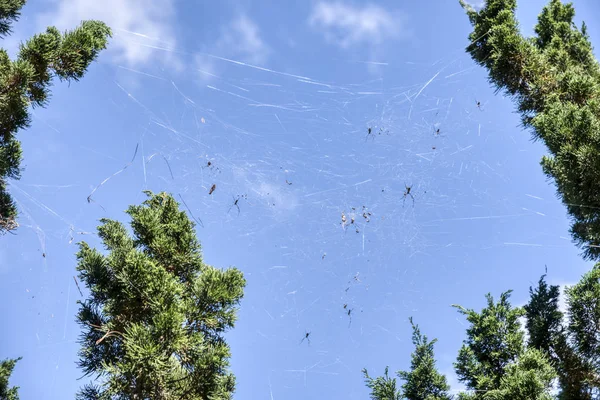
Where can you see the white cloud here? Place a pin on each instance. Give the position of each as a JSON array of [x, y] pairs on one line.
[[347, 25], [241, 40], [140, 27], [206, 68], [476, 5], [281, 200]]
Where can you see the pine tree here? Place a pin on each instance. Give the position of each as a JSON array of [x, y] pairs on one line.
[[27, 80], [6, 369], [555, 82], [494, 341], [423, 381], [548, 334], [154, 322]]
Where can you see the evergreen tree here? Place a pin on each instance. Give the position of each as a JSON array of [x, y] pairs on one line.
[[154, 322], [547, 333], [26, 81], [528, 378], [494, 341], [575, 373], [382, 387], [583, 301], [544, 319], [555, 82], [584, 314], [6, 368], [423, 381]]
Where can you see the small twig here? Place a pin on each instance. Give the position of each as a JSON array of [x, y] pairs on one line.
[[107, 334]]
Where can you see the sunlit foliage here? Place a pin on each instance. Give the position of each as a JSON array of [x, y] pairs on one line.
[[26, 82], [154, 321], [555, 82]]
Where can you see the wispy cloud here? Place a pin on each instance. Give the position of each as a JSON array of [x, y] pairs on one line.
[[347, 25], [281, 200], [141, 28], [240, 39]]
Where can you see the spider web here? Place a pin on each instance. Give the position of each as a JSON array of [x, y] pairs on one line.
[[310, 197]]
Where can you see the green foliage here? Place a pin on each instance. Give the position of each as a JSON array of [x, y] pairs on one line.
[[583, 300], [26, 81], [544, 319], [423, 381], [547, 333], [584, 313], [9, 12], [382, 387], [494, 341], [529, 378], [154, 322], [555, 81], [576, 375], [493, 362], [6, 369]]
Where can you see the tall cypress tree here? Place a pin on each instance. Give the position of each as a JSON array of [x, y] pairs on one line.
[[555, 82], [544, 319], [26, 82], [6, 369], [154, 322]]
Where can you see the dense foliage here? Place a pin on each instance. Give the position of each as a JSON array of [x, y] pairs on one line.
[[26, 81], [6, 369], [555, 82], [548, 333], [153, 324], [494, 341], [423, 381], [493, 361]]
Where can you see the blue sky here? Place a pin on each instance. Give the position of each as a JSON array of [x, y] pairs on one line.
[[279, 97]]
